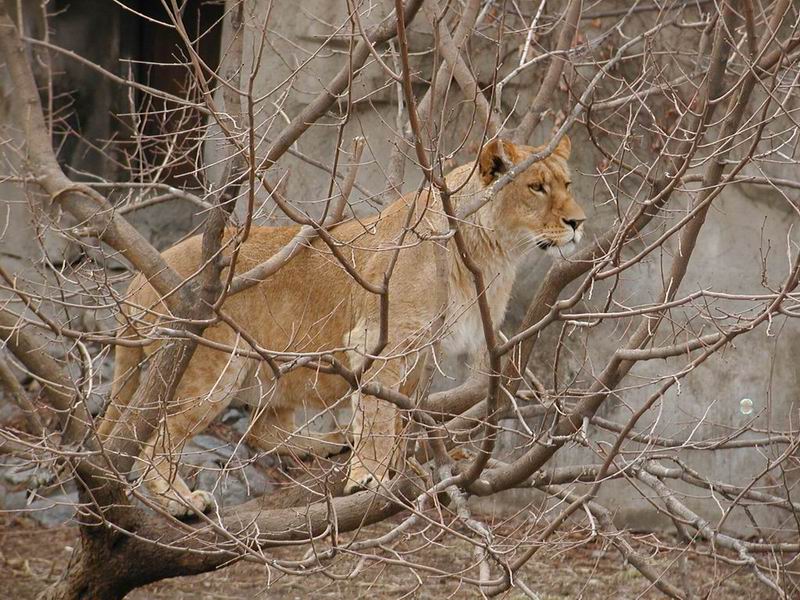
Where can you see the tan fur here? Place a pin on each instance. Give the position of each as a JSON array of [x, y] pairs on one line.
[[313, 305]]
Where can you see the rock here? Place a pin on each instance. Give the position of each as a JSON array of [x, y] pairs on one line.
[[268, 461], [237, 419], [22, 473], [54, 510], [18, 472], [13, 500], [232, 485], [233, 416], [226, 469], [10, 413], [203, 447]]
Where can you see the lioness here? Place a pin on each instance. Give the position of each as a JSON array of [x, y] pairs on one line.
[[313, 305]]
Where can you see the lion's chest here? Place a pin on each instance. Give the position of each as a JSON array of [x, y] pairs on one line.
[[465, 333]]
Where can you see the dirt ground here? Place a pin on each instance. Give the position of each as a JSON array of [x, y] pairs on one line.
[[32, 557]]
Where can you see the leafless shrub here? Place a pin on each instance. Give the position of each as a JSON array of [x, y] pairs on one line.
[[679, 104]]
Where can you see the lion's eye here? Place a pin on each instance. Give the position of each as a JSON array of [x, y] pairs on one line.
[[536, 187], [569, 183]]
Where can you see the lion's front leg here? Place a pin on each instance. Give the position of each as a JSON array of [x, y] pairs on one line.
[[206, 389], [166, 486], [376, 442], [379, 443]]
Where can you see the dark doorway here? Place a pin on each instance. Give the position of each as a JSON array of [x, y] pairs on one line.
[[159, 58]]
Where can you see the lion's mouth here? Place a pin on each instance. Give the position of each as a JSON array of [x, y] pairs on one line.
[[562, 247], [560, 243], [564, 244]]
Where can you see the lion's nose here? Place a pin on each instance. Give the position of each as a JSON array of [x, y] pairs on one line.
[[574, 223]]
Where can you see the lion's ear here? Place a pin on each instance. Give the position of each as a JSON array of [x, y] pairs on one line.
[[496, 158], [563, 148]]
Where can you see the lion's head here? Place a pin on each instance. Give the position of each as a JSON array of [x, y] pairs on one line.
[[537, 207]]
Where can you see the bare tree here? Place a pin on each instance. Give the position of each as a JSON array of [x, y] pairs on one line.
[[677, 103]]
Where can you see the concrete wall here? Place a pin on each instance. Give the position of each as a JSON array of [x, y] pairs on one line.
[[742, 246]]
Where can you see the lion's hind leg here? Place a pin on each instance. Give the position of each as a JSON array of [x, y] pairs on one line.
[[127, 363], [203, 393]]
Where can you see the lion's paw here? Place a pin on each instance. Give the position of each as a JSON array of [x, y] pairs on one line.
[[200, 501], [359, 480]]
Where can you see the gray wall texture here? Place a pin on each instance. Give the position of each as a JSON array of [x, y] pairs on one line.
[[742, 249]]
